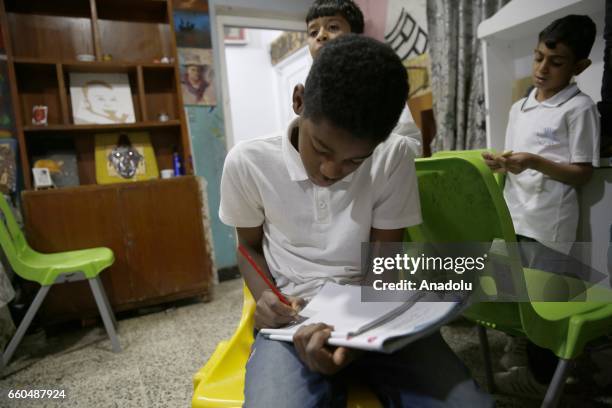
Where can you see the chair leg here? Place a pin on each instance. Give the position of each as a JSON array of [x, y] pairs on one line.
[[25, 323], [486, 354], [105, 312], [555, 389], [108, 305]]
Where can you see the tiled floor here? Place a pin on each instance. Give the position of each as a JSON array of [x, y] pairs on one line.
[[161, 353]]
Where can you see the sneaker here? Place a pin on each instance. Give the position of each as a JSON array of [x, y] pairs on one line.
[[519, 381], [515, 353]]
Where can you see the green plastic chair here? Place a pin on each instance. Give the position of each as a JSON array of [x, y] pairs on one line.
[[462, 202], [49, 269]]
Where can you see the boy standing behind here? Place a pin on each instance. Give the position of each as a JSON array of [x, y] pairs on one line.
[[328, 19], [552, 141], [302, 203]]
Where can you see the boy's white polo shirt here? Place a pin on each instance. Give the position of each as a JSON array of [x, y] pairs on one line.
[[563, 129], [313, 234]]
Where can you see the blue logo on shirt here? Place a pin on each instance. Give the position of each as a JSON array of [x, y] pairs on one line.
[[547, 137]]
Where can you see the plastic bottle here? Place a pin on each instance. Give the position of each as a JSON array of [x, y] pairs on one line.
[[176, 163]]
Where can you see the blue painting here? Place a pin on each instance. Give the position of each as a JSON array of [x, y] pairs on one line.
[[207, 134], [192, 29]]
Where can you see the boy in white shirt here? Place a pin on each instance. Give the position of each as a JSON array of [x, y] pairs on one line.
[[302, 204], [552, 144]]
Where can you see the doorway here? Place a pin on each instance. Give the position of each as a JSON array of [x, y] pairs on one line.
[[260, 62]]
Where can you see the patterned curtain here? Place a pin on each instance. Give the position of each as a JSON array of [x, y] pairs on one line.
[[457, 80]]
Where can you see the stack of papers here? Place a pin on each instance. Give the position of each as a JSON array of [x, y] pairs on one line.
[[373, 326]]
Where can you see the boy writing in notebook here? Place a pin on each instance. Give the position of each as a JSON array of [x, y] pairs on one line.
[[302, 204], [552, 144], [328, 19]]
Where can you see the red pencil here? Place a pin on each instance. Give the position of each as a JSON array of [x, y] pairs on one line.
[[263, 276]]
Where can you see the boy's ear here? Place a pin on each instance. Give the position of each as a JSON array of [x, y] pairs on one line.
[[298, 99], [582, 65]]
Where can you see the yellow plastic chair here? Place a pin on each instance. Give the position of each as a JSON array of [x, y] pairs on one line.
[[220, 383], [49, 269], [462, 202]]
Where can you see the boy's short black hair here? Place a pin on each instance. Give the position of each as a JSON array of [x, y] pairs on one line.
[[346, 8], [575, 31], [357, 84]]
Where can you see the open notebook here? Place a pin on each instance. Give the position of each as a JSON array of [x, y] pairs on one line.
[[373, 326]]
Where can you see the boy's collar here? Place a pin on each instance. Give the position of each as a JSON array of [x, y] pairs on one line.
[[292, 158], [555, 101]]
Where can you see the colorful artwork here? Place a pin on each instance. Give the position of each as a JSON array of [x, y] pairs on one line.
[[197, 76], [8, 165], [234, 35], [192, 29], [124, 157], [62, 165], [101, 98]]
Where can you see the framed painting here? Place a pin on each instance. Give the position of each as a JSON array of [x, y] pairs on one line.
[[101, 98], [192, 29], [124, 157], [197, 76], [234, 35]]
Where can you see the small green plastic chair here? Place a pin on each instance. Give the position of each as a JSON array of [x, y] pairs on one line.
[[50, 269], [462, 202], [220, 383]]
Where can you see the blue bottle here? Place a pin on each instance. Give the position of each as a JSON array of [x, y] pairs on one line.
[[176, 163]]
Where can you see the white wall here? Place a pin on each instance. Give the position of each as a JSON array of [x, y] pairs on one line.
[[252, 86]]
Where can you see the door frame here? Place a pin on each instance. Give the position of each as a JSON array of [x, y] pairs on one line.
[[244, 22]]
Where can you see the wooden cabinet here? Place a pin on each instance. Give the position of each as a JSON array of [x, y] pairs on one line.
[[154, 228]]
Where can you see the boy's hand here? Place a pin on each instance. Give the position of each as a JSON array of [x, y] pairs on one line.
[[310, 344], [517, 162], [270, 312], [493, 161]]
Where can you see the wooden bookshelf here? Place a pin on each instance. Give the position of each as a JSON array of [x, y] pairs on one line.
[[155, 228], [43, 40]]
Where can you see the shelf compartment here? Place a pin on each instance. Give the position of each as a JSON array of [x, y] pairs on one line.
[[148, 41], [131, 72], [165, 139], [150, 11], [50, 36], [160, 93], [69, 8], [37, 85]]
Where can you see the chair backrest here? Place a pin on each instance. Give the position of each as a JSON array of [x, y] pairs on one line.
[[12, 239], [461, 202]]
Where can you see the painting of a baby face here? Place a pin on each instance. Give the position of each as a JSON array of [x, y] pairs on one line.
[[101, 98]]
